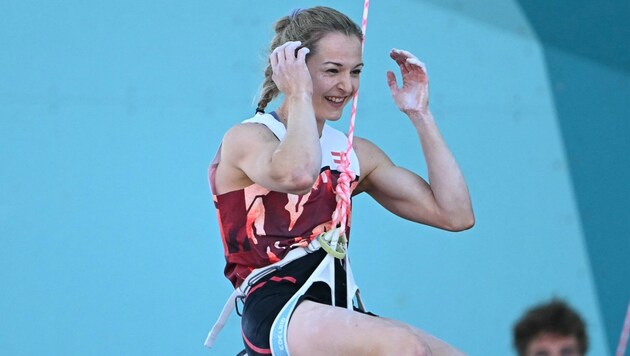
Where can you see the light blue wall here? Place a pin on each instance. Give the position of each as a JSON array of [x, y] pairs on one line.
[[111, 111], [589, 72]]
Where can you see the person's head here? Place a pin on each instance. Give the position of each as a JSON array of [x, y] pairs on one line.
[[550, 329], [334, 41]]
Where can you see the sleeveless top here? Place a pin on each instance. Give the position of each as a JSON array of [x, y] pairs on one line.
[[258, 226]]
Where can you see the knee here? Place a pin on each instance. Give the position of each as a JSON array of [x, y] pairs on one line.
[[406, 342], [415, 346]]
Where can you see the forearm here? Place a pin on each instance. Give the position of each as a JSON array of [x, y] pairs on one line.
[[445, 176], [298, 155]]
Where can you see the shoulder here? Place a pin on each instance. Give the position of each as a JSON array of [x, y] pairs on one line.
[[258, 126], [241, 145], [367, 150], [245, 137], [248, 130], [370, 158]]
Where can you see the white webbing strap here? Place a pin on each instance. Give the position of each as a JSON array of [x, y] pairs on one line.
[[278, 340], [242, 289], [352, 287], [223, 318], [325, 272]]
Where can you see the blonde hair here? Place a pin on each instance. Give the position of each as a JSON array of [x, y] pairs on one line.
[[307, 26]]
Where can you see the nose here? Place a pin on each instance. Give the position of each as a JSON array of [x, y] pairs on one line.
[[345, 83]]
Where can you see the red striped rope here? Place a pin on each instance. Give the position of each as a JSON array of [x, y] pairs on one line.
[[343, 191]]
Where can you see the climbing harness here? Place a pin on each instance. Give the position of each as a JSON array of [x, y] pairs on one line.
[[325, 272]]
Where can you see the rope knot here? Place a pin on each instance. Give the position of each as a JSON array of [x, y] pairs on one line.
[[343, 192]]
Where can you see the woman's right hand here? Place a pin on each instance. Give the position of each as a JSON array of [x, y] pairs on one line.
[[290, 72]]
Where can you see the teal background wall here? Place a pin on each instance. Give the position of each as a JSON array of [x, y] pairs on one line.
[[111, 111], [589, 71]]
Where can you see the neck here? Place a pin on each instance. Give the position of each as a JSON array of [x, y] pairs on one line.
[[283, 116]]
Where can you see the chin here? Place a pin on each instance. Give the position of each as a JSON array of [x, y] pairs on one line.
[[328, 118], [331, 115]]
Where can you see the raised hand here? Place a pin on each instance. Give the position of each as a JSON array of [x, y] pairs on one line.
[[290, 72], [413, 96]]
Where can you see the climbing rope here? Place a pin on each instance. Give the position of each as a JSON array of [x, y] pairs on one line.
[[343, 190]]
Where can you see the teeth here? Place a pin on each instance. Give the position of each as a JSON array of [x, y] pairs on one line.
[[335, 99]]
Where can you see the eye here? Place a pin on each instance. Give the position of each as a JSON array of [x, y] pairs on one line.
[[332, 70], [356, 72]]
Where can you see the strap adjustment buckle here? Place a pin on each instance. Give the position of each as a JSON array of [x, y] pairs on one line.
[[334, 242]]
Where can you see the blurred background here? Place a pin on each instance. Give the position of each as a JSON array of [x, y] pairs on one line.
[[111, 111]]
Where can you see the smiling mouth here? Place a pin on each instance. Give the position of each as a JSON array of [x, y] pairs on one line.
[[335, 99]]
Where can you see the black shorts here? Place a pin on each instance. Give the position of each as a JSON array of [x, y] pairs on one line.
[[268, 296]]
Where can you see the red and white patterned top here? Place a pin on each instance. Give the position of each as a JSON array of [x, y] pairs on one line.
[[258, 226]]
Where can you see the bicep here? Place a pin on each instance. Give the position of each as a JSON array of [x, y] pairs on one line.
[[248, 148], [397, 189]]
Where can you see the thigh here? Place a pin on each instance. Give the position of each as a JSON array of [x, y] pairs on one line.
[[318, 329]]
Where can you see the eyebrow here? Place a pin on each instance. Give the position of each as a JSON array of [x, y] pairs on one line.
[[341, 65]]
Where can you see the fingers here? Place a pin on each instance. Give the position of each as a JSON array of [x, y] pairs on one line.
[[391, 81], [286, 54], [301, 54], [289, 70], [400, 55], [407, 61], [287, 51]]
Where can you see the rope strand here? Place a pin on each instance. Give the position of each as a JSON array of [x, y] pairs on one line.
[[343, 191]]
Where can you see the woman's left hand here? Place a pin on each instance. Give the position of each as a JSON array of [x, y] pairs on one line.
[[413, 96]]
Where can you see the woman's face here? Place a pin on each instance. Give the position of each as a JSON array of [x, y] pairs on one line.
[[335, 68]]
